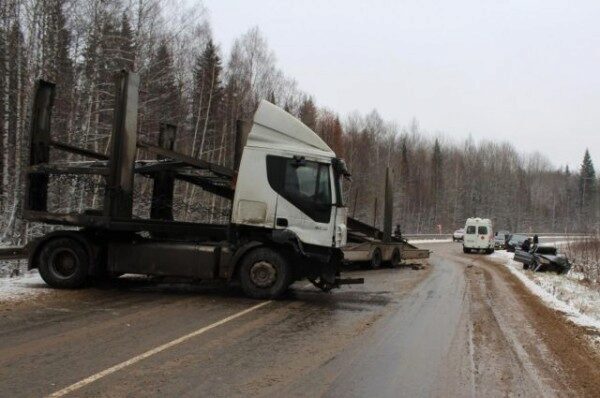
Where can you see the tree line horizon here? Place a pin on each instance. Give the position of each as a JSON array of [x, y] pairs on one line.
[[188, 81]]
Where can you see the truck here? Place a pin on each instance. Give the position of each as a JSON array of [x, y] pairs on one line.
[[287, 220], [372, 247]]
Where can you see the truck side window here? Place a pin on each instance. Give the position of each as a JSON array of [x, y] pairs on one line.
[[482, 231], [471, 229], [307, 185]]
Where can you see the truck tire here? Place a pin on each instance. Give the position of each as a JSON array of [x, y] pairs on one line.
[[396, 258], [465, 250], [64, 263], [376, 259], [265, 274]]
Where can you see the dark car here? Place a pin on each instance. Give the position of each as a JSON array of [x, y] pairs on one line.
[[515, 242], [500, 240], [543, 258]]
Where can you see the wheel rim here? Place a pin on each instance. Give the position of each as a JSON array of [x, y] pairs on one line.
[[263, 274], [396, 258], [376, 260], [64, 263]]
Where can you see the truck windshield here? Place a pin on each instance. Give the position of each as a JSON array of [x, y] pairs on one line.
[[305, 184], [310, 180]]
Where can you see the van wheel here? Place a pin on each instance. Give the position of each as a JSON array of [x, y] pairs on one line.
[[396, 258], [375, 259], [64, 263], [265, 274]]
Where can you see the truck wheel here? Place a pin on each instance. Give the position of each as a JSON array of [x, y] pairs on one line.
[[264, 273], [64, 263], [465, 250], [396, 258], [375, 259]]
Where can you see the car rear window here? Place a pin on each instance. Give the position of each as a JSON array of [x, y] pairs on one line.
[[471, 229], [482, 230]]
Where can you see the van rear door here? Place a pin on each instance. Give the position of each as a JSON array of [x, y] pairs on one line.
[[483, 235], [470, 238]]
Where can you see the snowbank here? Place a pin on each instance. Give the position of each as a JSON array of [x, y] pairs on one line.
[[22, 287], [565, 293]]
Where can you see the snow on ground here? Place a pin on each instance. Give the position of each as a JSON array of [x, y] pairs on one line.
[[565, 293], [22, 287]]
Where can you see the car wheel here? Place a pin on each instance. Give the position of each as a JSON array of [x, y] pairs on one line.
[[265, 274], [64, 263]]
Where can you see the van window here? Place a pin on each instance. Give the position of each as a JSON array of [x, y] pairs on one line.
[[471, 229], [482, 231]]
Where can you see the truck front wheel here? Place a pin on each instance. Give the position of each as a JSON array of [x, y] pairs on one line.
[[63, 263], [265, 274]]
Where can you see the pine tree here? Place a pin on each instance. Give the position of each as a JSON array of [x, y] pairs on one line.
[[126, 45], [436, 179], [308, 113], [587, 182], [207, 98]]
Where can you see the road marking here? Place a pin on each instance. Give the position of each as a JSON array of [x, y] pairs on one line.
[[113, 369]]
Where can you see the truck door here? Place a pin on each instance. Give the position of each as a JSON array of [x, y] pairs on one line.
[[304, 201]]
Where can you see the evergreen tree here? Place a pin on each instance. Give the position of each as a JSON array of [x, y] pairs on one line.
[[126, 45], [436, 178], [207, 99], [587, 182], [308, 113]]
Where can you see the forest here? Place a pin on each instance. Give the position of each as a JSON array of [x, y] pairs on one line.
[[188, 80]]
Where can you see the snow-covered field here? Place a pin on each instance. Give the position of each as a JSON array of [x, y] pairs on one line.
[[565, 293]]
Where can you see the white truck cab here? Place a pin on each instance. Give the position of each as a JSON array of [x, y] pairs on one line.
[[479, 235], [289, 179], [288, 191]]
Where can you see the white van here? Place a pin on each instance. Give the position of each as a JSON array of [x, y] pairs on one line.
[[479, 235]]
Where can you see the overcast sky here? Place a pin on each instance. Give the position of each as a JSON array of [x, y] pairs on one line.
[[523, 71]]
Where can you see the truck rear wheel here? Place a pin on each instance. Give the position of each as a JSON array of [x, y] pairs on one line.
[[265, 274], [376, 257], [64, 263], [396, 258]]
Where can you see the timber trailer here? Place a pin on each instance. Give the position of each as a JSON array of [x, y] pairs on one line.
[[372, 247], [287, 219]]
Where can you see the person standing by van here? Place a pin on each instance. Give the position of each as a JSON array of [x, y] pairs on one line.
[[526, 245]]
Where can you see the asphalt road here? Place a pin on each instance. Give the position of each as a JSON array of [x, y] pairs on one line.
[[462, 326]]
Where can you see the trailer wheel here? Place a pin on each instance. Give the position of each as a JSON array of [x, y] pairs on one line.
[[396, 258], [64, 263], [375, 259], [264, 273]]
